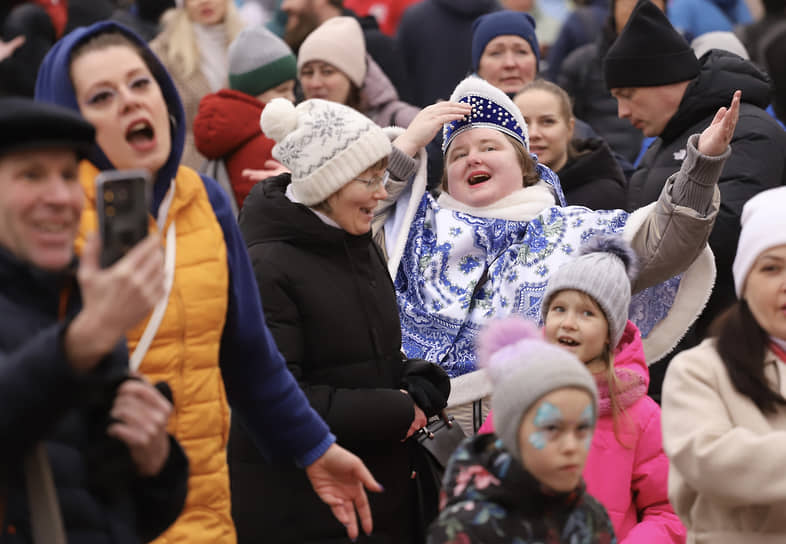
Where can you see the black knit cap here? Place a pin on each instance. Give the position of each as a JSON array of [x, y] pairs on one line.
[[649, 52], [26, 124]]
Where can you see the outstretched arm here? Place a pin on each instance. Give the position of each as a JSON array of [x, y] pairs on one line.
[[265, 394], [338, 477], [676, 230]]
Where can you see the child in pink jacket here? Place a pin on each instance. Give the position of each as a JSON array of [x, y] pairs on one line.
[[584, 310]]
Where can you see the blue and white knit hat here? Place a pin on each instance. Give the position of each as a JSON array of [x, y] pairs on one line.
[[491, 108]]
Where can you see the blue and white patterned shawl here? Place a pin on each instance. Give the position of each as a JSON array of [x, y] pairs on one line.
[[447, 253]]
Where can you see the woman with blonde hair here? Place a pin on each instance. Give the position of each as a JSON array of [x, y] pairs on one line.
[[588, 172], [193, 45]]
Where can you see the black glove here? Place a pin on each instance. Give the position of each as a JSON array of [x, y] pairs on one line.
[[428, 384]]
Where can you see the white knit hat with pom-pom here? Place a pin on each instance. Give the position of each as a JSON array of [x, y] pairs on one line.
[[324, 144], [523, 368]]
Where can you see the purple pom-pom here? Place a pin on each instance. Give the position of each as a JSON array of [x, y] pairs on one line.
[[617, 246], [502, 333]]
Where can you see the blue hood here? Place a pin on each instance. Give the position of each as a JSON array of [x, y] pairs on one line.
[[54, 85]]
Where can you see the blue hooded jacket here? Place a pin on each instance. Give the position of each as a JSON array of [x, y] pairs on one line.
[[260, 388]]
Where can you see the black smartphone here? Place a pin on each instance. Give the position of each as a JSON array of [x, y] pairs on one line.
[[122, 203]]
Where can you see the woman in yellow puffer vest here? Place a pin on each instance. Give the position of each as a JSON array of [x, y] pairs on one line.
[[211, 345]]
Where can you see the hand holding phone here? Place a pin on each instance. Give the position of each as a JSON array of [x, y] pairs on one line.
[[122, 204]]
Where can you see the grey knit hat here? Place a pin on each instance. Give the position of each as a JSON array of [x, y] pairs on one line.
[[259, 60], [325, 144], [604, 269], [523, 368]]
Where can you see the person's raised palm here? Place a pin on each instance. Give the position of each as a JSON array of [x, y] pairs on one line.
[[714, 140]]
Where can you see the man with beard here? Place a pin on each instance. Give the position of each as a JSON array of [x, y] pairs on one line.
[[303, 16]]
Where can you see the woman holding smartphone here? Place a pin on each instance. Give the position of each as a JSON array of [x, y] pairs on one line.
[[212, 345]]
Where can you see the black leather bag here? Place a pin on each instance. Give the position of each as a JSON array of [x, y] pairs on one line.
[[440, 438], [436, 443]]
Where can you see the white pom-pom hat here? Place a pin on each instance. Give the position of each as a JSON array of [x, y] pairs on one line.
[[324, 144], [523, 368]]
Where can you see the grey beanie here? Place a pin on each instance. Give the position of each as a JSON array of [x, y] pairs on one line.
[[523, 368], [604, 269], [259, 61]]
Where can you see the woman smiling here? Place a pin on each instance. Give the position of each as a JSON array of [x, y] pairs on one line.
[[487, 246], [330, 305]]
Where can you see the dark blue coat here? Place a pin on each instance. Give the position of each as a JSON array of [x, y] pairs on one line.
[[101, 497]]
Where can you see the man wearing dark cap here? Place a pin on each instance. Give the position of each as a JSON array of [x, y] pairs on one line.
[[663, 90], [85, 455]]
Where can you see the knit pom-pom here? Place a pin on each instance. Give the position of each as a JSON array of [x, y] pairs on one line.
[[501, 334], [617, 246], [278, 119]]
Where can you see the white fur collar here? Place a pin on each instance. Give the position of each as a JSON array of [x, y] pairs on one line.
[[521, 205]]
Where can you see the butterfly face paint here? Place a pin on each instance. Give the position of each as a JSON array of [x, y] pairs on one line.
[[555, 435], [587, 420], [547, 420]]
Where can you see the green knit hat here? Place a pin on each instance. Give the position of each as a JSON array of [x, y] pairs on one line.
[[259, 60]]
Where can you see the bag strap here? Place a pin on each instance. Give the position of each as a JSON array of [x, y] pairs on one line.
[[46, 520], [477, 415], [169, 277]]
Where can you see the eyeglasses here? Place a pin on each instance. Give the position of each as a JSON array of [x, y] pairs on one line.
[[376, 182]]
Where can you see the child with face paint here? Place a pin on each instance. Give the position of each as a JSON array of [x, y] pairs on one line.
[[524, 484], [585, 311]]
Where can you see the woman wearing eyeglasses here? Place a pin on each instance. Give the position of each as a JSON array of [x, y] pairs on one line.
[[330, 304]]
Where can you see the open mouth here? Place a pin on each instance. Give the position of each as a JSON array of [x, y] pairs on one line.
[[140, 133], [565, 341], [475, 179]]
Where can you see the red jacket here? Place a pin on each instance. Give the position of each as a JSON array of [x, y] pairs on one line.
[[56, 9], [227, 127], [387, 12]]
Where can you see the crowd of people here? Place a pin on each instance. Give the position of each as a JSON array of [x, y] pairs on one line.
[[366, 219]]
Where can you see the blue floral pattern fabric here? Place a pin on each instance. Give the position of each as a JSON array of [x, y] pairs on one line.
[[449, 253], [489, 497]]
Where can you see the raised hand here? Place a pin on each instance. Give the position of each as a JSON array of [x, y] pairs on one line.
[[716, 137], [142, 413], [270, 169], [115, 299], [7, 48], [339, 478], [427, 123]]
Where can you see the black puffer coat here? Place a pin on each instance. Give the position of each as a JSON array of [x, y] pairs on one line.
[[330, 304], [593, 178], [757, 162], [101, 498]]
